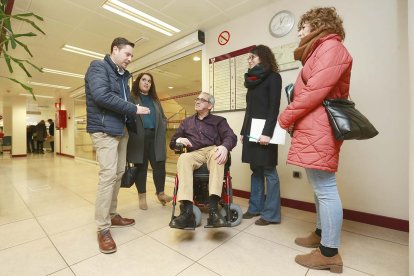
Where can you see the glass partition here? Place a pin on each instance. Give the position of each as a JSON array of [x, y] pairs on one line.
[[83, 143]]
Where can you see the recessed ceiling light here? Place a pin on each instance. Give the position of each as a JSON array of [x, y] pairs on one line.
[[196, 58], [53, 71], [170, 87], [48, 85], [140, 17], [81, 51]]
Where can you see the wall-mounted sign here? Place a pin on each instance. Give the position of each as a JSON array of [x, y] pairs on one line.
[[223, 38]]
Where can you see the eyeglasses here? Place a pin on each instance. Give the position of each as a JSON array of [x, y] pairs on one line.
[[201, 100]]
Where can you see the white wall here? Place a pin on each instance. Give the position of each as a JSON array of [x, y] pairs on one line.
[[373, 174], [19, 126], [411, 124]]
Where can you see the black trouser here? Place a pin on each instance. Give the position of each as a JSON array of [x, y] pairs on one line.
[[52, 146], [40, 146], [30, 145], [158, 168]]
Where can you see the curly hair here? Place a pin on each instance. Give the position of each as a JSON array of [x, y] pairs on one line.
[[152, 91], [266, 56], [323, 19]]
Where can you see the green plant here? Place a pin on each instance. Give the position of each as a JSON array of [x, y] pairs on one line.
[[9, 38]]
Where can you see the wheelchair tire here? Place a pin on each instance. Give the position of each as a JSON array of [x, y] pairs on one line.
[[236, 214], [197, 215]]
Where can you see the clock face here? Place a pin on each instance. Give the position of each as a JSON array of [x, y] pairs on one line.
[[281, 23]]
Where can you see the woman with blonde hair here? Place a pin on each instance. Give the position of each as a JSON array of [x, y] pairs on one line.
[[326, 74]]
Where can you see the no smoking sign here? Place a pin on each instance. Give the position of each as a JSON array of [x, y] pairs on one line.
[[223, 38]]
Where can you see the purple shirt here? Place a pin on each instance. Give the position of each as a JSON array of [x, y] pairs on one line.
[[211, 130]]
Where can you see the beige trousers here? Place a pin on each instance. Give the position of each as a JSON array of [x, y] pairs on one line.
[[188, 162], [111, 155]]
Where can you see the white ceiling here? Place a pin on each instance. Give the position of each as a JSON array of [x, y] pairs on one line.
[[85, 24]]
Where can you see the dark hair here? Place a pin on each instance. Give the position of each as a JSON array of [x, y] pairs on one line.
[[152, 91], [49, 120], [120, 42], [323, 19], [266, 56]]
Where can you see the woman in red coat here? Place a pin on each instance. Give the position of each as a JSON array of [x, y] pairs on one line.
[[326, 73]]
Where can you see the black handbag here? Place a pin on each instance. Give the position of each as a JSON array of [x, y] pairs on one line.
[[128, 178], [347, 122]]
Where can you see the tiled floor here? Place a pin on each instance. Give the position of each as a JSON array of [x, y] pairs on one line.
[[47, 228]]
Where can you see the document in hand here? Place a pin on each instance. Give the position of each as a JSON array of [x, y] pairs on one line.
[[257, 128]]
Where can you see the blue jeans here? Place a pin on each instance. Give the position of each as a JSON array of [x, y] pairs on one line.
[[329, 214], [267, 206]]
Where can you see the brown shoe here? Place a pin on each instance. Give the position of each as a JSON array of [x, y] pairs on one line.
[[248, 215], [315, 260], [263, 222], [311, 241], [105, 241], [163, 198], [118, 221]]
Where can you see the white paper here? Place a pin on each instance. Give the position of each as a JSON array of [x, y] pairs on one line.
[[256, 129]]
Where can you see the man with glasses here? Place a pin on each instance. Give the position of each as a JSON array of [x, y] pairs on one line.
[[208, 139]]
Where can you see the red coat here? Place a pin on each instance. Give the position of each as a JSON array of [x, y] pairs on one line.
[[325, 74]]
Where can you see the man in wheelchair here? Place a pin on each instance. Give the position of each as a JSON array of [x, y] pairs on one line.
[[208, 139]]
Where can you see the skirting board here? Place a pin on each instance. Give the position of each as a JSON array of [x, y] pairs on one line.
[[63, 154], [387, 222]]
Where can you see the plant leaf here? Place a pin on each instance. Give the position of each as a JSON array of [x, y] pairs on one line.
[[25, 47], [29, 22], [29, 15], [27, 88], [7, 59]]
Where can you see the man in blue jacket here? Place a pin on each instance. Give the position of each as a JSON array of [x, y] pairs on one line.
[[108, 112]]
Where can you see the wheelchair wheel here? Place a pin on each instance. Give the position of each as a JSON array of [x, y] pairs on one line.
[[197, 215], [236, 214]]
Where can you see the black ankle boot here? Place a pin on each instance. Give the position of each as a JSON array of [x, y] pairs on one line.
[[215, 219], [186, 219]]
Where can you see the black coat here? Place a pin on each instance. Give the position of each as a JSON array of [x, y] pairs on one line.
[[263, 102], [135, 148]]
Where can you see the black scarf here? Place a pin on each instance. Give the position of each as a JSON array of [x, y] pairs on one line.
[[256, 75]]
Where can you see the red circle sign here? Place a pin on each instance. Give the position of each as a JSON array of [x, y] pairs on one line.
[[223, 38]]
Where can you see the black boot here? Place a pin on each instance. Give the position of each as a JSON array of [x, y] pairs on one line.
[[215, 219], [186, 219]]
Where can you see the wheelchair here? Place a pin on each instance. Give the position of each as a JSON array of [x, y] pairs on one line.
[[232, 212]]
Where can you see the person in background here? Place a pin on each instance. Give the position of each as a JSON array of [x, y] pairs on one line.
[[51, 134], [148, 144], [264, 86], [41, 134], [326, 73], [208, 139], [108, 110], [30, 130]]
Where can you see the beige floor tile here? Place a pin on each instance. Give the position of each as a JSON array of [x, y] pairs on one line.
[[193, 244], [81, 243], [67, 220], [346, 272], [38, 257], [63, 272], [376, 232], [374, 256], [143, 256], [299, 214], [284, 233], [156, 217], [249, 255], [20, 232], [14, 212], [198, 270]]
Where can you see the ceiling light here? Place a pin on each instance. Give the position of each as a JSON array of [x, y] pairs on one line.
[[47, 70], [196, 58], [81, 51], [140, 17], [37, 96], [48, 85], [170, 87]]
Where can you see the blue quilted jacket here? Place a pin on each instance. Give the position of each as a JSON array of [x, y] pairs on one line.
[[106, 107]]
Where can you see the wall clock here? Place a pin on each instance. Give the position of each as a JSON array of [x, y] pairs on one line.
[[281, 23]]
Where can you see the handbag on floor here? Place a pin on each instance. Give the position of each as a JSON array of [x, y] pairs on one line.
[[347, 122], [128, 178]]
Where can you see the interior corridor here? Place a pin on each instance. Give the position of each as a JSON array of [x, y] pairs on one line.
[[47, 228]]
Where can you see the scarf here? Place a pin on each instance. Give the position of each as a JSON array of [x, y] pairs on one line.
[[256, 75], [306, 45]]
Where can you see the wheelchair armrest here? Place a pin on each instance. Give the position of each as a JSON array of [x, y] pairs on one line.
[[179, 148]]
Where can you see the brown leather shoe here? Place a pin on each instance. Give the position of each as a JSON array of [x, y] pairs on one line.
[[105, 241], [263, 222], [311, 241], [315, 260], [248, 215], [118, 221]]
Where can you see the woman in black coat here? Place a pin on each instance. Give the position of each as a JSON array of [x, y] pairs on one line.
[[264, 85], [148, 144]]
